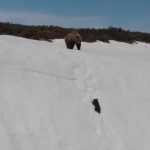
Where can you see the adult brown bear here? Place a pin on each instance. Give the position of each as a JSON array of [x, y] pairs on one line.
[[73, 38]]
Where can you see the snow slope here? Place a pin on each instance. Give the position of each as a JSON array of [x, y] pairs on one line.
[[46, 92]]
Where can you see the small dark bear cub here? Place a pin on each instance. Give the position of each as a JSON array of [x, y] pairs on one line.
[[95, 102], [73, 39]]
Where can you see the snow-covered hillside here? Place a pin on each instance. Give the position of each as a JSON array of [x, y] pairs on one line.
[[46, 92]]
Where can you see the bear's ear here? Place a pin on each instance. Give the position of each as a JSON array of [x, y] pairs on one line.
[[77, 36], [80, 38]]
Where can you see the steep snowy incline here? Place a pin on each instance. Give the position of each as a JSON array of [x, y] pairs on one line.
[[46, 92]]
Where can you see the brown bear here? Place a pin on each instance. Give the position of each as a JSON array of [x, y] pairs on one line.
[[73, 38]]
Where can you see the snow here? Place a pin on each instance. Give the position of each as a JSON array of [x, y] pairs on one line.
[[46, 92]]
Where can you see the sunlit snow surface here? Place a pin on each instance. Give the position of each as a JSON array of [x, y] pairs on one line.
[[46, 92]]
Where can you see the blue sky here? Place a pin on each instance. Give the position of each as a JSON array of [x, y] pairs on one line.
[[128, 14]]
